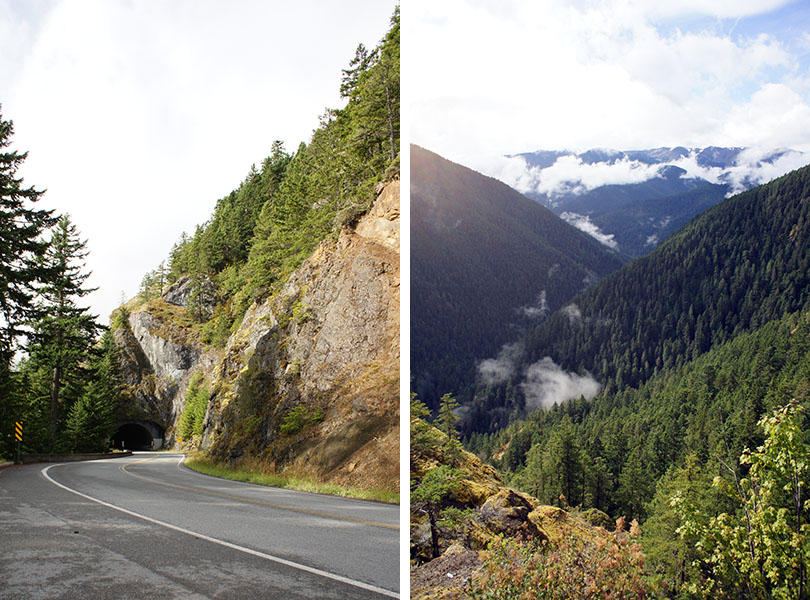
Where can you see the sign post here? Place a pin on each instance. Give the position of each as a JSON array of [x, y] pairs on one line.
[[18, 434]]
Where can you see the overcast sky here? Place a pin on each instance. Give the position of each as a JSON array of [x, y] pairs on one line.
[[139, 115], [492, 77]]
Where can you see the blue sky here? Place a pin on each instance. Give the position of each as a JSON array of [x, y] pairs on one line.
[[139, 115], [492, 78]]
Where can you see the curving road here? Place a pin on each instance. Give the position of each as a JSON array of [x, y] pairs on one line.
[[146, 526]]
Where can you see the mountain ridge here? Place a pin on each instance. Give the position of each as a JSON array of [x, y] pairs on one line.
[[485, 261], [622, 197]]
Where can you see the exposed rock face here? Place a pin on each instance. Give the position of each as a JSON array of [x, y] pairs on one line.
[[198, 295], [493, 511], [309, 382], [158, 357], [329, 343], [169, 359]]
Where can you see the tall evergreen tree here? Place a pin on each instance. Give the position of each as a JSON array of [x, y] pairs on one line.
[[21, 245], [63, 332], [91, 420], [21, 227]]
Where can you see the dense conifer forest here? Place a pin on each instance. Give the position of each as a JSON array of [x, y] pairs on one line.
[[486, 262], [733, 269], [700, 432]]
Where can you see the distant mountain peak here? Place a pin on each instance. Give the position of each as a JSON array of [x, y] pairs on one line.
[[622, 197]]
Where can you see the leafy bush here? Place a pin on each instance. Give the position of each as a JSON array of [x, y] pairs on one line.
[[761, 550], [598, 568]]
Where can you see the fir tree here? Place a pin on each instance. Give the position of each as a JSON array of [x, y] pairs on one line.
[[20, 247], [91, 421], [63, 332]]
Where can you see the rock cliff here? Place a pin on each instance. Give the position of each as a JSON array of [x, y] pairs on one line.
[[309, 382]]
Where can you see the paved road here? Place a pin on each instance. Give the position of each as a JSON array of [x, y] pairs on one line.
[[146, 526]]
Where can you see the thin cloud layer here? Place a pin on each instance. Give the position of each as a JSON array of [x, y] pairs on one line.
[[584, 223], [570, 175], [493, 371]]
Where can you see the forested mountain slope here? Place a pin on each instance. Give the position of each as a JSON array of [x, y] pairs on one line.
[[271, 335], [731, 270], [484, 260]]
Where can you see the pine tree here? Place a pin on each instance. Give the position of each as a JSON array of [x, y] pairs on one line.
[[91, 421], [20, 247], [63, 332]]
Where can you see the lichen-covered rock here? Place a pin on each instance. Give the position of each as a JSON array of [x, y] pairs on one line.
[[485, 510], [507, 513]]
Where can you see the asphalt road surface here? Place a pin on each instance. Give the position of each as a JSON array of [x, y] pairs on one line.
[[147, 527]]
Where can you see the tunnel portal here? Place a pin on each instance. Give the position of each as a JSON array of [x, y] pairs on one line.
[[138, 435]]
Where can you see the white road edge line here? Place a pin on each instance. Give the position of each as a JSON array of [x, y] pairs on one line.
[[270, 557]]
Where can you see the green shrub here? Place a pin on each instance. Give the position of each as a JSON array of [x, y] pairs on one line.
[[298, 418], [195, 407]]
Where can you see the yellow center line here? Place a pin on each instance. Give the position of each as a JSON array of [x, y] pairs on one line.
[[305, 511]]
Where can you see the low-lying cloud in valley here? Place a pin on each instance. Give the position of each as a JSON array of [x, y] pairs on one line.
[[545, 384], [584, 224], [493, 371], [538, 310]]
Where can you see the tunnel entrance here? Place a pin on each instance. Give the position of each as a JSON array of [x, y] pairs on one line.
[[138, 436]]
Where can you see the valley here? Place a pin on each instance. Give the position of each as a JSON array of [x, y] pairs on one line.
[[642, 398]]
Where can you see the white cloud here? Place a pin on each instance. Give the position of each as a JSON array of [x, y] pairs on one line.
[[570, 175], [584, 223], [775, 116], [493, 371], [718, 8], [539, 309], [573, 313], [545, 384], [502, 78]]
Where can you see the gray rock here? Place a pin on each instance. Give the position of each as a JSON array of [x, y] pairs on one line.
[[181, 293]]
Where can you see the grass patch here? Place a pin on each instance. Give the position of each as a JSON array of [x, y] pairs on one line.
[[263, 476]]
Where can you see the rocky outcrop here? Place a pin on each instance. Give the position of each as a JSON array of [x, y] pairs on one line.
[[197, 294], [309, 382], [326, 348], [486, 510], [159, 352]]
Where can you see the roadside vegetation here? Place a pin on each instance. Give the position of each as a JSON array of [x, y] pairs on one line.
[[259, 473]]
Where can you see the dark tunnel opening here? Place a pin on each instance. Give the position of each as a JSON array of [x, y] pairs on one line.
[[131, 436]]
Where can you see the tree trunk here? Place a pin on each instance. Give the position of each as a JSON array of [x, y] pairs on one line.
[[55, 383], [434, 534], [390, 116]]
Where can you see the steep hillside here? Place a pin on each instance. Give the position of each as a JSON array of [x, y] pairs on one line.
[[271, 336], [734, 268], [308, 383], [485, 262], [471, 536]]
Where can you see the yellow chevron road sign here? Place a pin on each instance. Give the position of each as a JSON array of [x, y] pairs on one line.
[[18, 431]]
